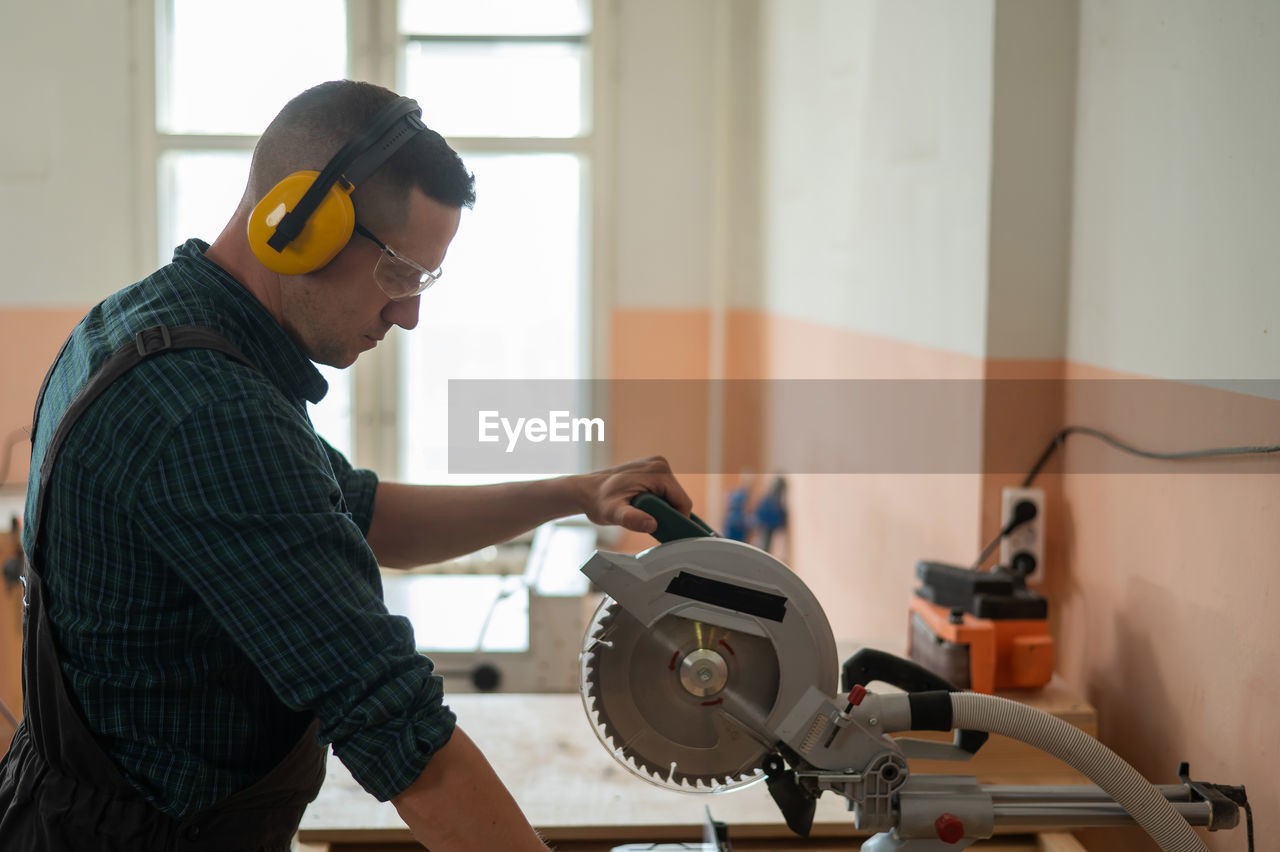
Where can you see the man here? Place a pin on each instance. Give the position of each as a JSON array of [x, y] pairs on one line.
[[204, 602]]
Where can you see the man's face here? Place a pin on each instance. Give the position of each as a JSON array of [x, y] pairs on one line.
[[340, 311]]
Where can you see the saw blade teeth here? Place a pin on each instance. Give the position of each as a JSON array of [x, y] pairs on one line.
[[605, 621], [709, 783], [645, 768]]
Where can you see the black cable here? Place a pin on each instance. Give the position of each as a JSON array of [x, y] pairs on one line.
[[1248, 821], [1060, 438], [1023, 513], [502, 595]]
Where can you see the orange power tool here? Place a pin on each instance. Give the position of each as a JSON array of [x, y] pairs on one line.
[[980, 630]]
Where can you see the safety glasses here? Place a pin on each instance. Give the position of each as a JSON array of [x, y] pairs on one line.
[[398, 276]]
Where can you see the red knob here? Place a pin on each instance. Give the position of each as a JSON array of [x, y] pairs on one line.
[[949, 827]]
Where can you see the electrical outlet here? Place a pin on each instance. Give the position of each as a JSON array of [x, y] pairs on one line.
[[1026, 542]]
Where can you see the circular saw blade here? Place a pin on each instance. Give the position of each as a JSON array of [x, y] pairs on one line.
[[668, 732]]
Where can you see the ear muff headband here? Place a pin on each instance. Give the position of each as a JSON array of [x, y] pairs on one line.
[[327, 192], [375, 144]]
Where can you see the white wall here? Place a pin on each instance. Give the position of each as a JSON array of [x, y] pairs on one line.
[[665, 107], [67, 164], [1176, 252], [1032, 140], [877, 151]]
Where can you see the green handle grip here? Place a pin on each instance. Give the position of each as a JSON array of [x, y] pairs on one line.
[[671, 524]]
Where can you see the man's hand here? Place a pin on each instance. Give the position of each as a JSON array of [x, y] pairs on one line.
[[606, 494]]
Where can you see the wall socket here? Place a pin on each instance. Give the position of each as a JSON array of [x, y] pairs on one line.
[[1027, 541]]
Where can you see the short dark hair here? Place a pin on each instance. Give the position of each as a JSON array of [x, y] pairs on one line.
[[311, 128]]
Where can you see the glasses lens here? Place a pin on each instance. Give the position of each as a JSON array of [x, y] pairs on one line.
[[400, 279]]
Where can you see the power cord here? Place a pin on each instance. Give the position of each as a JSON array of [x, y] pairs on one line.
[[504, 592], [1060, 438], [1024, 512]]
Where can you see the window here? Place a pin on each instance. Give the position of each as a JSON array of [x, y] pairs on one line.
[[507, 82]]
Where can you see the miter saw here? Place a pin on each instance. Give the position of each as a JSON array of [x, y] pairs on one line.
[[709, 665]]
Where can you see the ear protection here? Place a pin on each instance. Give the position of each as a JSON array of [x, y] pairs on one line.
[[307, 218]]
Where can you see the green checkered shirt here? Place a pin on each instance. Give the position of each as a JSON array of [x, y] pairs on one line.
[[205, 564]]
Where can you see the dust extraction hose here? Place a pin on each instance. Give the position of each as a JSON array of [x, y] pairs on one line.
[[1101, 765]]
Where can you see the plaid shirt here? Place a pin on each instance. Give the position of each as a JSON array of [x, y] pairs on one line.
[[204, 557]]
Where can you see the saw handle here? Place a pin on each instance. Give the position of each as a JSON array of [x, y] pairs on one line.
[[671, 524], [872, 664]]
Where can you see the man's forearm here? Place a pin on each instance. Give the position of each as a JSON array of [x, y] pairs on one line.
[[418, 524], [461, 519], [458, 804]]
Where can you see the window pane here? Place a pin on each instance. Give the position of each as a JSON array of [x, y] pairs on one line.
[[462, 613], [198, 192], [511, 89], [509, 305], [332, 417], [229, 66], [495, 17]]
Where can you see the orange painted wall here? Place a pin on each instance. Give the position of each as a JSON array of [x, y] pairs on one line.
[[1167, 606], [855, 537], [29, 340]]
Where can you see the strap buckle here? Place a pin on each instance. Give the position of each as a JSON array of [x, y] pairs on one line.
[[152, 340]]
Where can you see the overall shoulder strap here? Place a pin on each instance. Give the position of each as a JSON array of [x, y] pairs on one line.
[[149, 342]]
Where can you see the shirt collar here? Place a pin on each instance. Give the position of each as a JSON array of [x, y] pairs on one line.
[[261, 338]]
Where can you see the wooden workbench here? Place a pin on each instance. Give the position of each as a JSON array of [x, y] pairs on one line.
[[582, 800]]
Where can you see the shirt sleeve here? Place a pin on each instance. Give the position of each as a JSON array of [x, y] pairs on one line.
[[359, 487], [246, 505]]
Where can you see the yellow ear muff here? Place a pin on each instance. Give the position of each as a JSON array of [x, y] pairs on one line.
[[327, 231]]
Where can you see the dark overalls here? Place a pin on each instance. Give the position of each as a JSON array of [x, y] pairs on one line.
[[58, 789]]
